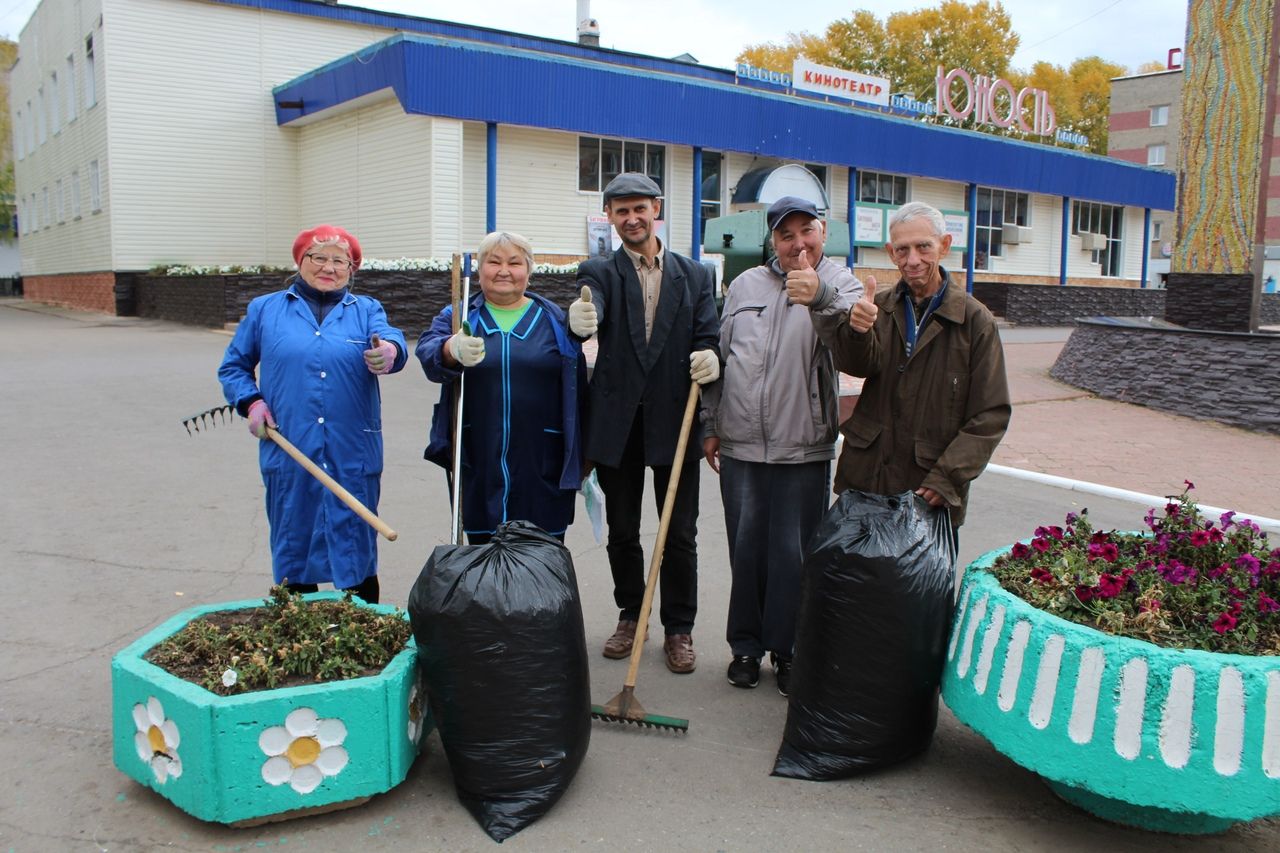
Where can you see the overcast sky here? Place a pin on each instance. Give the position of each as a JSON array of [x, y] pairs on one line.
[[1129, 32]]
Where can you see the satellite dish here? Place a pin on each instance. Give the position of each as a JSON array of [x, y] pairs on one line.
[[1166, 249]]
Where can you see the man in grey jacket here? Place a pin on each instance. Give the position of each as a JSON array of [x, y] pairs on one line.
[[770, 426]]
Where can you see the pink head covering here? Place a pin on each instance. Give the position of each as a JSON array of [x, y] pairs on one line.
[[324, 234]]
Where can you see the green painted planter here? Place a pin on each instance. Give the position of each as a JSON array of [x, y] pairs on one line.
[[1161, 739], [266, 755]]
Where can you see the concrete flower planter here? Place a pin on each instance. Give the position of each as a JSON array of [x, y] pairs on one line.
[[1175, 741], [267, 755]]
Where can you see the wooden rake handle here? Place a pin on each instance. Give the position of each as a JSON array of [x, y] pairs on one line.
[[655, 564], [331, 484]]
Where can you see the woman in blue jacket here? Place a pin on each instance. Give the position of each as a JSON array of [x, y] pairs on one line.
[[521, 445], [316, 380]]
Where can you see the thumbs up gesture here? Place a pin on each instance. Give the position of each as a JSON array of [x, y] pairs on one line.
[[863, 314], [802, 282], [583, 318]]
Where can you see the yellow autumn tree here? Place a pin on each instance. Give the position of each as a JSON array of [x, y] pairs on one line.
[[908, 47]]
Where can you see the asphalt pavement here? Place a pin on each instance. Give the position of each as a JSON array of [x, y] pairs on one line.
[[114, 518]]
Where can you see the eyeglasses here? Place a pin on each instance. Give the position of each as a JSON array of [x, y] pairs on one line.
[[325, 260]]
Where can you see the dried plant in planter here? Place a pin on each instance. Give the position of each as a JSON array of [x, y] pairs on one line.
[[1188, 583], [287, 642]]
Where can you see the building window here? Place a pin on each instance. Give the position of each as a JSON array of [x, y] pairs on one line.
[[996, 208], [75, 194], [95, 187], [42, 129], [46, 215], [19, 138], [69, 87], [602, 160], [1105, 219], [1157, 229], [31, 129], [57, 201], [55, 104], [90, 78], [1160, 115], [1155, 155], [879, 188], [712, 184]]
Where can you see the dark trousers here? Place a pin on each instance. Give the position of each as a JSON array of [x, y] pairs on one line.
[[368, 589], [770, 512], [623, 489]]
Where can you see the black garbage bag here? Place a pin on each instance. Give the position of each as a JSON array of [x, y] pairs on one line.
[[504, 657], [875, 610]]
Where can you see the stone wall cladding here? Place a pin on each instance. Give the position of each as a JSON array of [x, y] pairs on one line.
[[411, 298], [1041, 305], [1225, 377], [90, 291], [1216, 302]]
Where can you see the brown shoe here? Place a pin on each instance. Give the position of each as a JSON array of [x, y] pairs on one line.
[[680, 656], [619, 645]]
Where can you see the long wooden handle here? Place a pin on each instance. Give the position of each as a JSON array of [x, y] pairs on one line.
[[331, 484], [655, 563]]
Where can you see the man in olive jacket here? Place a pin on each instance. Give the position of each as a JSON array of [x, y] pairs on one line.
[[936, 400], [654, 316]]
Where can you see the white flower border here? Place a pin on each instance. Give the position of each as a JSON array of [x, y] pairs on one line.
[[368, 265]]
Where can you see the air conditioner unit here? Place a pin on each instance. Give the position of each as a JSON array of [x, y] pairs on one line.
[[1090, 242], [1016, 233]]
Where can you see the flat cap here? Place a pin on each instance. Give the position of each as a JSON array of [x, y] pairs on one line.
[[631, 184], [787, 205]]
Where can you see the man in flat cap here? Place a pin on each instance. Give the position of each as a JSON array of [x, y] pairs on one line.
[[654, 316], [771, 431]]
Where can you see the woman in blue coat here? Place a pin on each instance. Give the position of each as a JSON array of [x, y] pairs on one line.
[[521, 415], [316, 380]]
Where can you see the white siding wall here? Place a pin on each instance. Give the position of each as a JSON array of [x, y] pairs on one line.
[[474, 159], [1039, 256], [79, 243], [538, 190], [370, 172], [1131, 234], [200, 173]]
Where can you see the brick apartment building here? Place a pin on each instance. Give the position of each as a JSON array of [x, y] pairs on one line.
[[1144, 127]]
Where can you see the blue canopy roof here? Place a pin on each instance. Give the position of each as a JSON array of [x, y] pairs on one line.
[[517, 80]]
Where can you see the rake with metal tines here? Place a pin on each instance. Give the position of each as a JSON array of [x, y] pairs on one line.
[[625, 708], [210, 419]]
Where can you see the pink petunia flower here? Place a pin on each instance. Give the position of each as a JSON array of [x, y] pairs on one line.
[[1199, 538], [1224, 623], [1020, 551], [1040, 544], [1109, 586]]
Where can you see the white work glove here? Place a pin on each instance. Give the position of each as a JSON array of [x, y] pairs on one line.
[[583, 319], [704, 366], [467, 350]]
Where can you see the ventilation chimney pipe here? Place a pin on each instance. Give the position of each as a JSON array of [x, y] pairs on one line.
[[588, 27]]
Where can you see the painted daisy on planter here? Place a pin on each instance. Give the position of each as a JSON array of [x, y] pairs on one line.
[[303, 751], [157, 740], [1138, 673]]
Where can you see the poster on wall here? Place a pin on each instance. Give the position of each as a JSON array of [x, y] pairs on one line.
[[601, 238], [868, 225], [958, 228]]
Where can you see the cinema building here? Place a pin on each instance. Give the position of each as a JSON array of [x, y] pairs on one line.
[[209, 132]]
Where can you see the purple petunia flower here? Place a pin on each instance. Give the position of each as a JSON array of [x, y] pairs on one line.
[[1020, 551], [1226, 519], [1225, 623], [1267, 604], [1190, 485]]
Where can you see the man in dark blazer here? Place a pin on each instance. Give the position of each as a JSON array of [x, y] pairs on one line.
[[654, 315]]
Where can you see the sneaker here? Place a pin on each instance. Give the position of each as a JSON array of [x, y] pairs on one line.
[[781, 671], [619, 645], [680, 656], [744, 671]]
